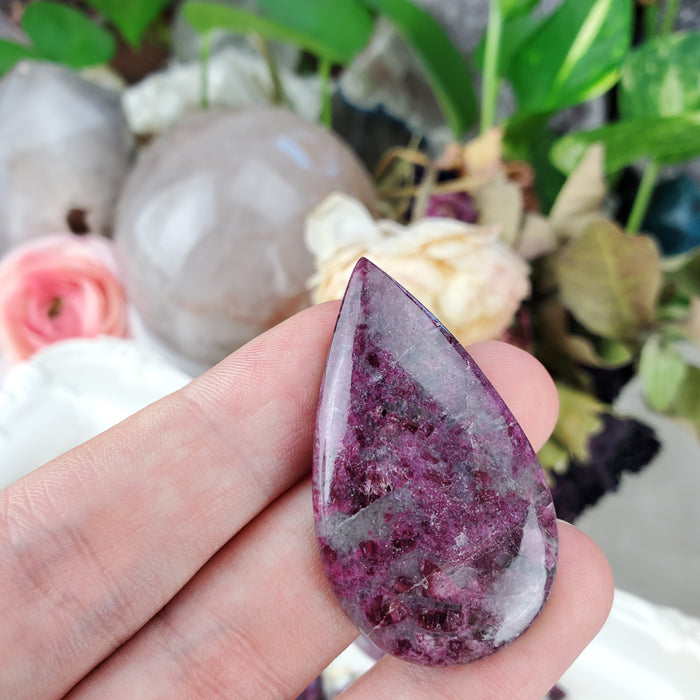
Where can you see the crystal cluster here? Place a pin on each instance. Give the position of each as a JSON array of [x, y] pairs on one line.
[[435, 524]]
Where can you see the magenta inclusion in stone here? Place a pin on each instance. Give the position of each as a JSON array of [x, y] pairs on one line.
[[435, 524]]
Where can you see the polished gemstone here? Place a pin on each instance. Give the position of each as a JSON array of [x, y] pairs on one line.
[[65, 151], [435, 524], [210, 225]]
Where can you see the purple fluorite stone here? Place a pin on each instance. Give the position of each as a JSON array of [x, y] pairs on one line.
[[434, 520]]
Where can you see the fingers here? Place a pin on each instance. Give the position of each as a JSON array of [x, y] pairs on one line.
[[259, 621], [96, 542], [577, 608]]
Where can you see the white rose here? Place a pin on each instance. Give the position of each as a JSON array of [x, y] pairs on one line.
[[463, 273]]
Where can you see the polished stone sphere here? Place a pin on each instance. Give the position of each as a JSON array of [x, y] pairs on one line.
[[65, 150], [210, 225]]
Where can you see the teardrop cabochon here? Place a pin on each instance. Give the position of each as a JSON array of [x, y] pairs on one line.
[[435, 524]]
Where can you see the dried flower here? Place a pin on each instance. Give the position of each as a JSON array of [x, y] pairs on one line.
[[452, 205], [471, 280], [58, 287]]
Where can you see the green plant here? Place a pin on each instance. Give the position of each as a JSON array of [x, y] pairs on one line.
[[132, 18], [66, 35], [336, 32], [58, 33], [605, 299]]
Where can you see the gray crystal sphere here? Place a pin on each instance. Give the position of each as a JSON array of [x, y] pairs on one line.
[[209, 227], [65, 150]]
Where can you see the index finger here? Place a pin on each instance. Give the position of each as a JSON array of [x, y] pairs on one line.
[[93, 544]]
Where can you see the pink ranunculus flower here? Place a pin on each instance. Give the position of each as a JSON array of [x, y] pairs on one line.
[[58, 287]]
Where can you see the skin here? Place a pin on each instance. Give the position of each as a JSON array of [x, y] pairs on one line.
[[173, 556]]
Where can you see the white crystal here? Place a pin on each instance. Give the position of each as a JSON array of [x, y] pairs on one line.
[[235, 78], [64, 145]]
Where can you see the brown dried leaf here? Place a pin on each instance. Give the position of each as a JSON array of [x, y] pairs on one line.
[[483, 156], [500, 202], [610, 281], [537, 237], [581, 197]]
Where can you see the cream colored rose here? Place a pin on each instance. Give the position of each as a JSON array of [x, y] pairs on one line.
[[464, 274]]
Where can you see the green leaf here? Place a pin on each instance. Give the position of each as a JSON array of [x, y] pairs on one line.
[[514, 33], [687, 277], [687, 403], [520, 131], [516, 8], [11, 53], [667, 140], [609, 281], [575, 54], [662, 370], [690, 327], [63, 34], [326, 39], [553, 457], [130, 17], [529, 138], [582, 349], [581, 198], [579, 420], [446, 68], [344, 24], [661, 77], [614, 353]]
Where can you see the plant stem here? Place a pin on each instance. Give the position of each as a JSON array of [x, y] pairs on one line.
[[651, 20], [324, 69], [670, 14], [279, 97], [641, 201], [204, 51], [491, 80]]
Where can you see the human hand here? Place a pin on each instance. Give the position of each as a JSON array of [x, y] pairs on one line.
[[174, 555]]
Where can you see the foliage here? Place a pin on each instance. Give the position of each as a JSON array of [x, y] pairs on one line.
[[12, 53], [668, 140], [660, 78], [337, 32], [663, 372], [575, 54], [59, 33], [311, 26], [65, 35], [445, 66], [131, 17], [610, 282]]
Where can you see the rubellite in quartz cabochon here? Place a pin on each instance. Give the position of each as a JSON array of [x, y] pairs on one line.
[[435, 524]]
